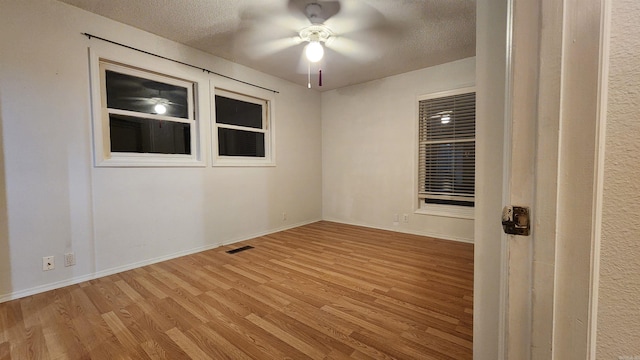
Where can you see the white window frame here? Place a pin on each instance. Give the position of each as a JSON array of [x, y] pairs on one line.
[[153, 70], [256, 96], [444, 210]]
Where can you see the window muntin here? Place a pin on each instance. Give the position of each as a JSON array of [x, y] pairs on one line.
[[241, 128], [446, 169], [133, 129]]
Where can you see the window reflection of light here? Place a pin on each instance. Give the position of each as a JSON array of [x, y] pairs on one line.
[[160, 109]]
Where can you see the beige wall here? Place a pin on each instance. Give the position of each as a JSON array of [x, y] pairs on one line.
[[619, 290], [369, 147], [118, 218]]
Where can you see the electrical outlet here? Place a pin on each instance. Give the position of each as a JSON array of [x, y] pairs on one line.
[[284, 216], [48, 263], [405, 218], [69, 259]]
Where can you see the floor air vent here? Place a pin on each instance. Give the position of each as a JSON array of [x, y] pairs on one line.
[[239, 249]]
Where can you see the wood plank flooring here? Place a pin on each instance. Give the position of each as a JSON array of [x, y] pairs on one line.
[[321, 291]]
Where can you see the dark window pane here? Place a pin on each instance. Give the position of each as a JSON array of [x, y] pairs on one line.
[[237, 112], [138, 135], [450, 168], [127, 92], [240, 143], [449, 202]]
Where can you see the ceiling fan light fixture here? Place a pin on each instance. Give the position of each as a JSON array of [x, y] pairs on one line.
[[319, 33], [314, 51], [315, 35]]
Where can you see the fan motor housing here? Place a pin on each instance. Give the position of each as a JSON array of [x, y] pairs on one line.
[[314, 13], [316, 33]]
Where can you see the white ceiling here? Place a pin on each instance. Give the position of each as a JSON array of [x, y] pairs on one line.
[[374, 38]]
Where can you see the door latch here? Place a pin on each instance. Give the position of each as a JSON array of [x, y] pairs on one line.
[[515, 220]]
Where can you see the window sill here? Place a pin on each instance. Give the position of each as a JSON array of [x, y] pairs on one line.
[[244, 162], [148, 161], [452, 211]]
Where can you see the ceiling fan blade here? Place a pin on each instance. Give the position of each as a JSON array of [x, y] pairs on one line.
[[352, 49], [261, 35], [263, 21], [135, 98], [271, 47], [150, 100], [174, 103], [354, 16]]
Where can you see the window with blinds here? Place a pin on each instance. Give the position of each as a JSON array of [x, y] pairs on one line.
[[446, 169]]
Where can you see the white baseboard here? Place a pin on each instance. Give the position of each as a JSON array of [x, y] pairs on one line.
[[263, 233], [405, 231], [78, 279]]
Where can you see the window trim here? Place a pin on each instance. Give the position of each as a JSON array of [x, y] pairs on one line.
[[454, 211], [124, 61], [268, 127]]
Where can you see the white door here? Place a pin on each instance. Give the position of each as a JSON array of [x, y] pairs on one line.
[[539, 67]]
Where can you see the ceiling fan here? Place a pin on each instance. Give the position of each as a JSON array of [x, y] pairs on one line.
[[145, 95], [315, 35], [160, 105], [350, 28]]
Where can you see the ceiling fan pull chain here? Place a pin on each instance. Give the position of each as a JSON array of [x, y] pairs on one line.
[[309, 74], [319, 77]]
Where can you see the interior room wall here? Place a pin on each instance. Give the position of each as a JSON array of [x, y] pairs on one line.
[[119, 218], [369, 151], [55, 200], [618, 327]]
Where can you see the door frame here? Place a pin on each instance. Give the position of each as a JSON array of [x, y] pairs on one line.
[[536, 297]]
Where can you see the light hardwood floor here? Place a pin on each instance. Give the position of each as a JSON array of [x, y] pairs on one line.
[[321, 291]]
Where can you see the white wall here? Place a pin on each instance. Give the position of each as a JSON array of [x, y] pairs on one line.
[[369, 147], [116, 218], [619, 290]]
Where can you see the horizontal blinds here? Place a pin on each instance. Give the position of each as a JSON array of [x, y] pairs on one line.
[[448, 118], [447, 148]]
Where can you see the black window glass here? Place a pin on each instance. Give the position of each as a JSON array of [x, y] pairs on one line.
[[140, 135], [450, 202], [236, 112], [240, 143], [127, 92]]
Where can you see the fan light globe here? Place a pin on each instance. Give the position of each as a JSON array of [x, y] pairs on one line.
[[314, 51], [160, 109]]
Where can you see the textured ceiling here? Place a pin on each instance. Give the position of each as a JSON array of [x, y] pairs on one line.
[[374, 38]]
